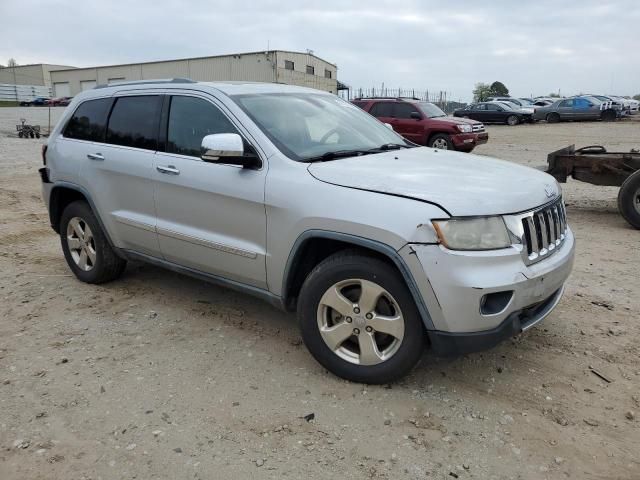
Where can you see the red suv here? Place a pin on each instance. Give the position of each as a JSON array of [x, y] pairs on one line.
[[425, 124]]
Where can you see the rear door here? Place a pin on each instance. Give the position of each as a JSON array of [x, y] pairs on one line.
[[211, 216], [479, 112], [119, 172], [410, 128], [383, 111], [495, 113], [566, 111]]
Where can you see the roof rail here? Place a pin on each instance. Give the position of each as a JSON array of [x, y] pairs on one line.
[[147, 82], [386, 98]]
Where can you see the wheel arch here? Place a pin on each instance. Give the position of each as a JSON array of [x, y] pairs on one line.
[[64, 193], [430, 135], [313, 246]]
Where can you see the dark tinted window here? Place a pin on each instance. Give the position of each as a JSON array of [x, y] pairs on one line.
[[134, 122], [288, 65], [311, 70], [404, 110], [567, 104], [382, 109], [359, 104], [89, 120], [191, 119], [493, 107], [327, 73], [480, 106]]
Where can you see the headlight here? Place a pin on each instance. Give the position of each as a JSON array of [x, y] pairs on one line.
[[465, 128], [487, 233]]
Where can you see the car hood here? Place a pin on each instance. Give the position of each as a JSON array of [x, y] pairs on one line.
[[460, 183], [455, 120]]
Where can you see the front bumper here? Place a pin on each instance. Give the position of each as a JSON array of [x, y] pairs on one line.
[[467, 141], [455, 284]]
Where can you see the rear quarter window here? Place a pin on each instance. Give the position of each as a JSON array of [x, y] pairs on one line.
[[89, 121]]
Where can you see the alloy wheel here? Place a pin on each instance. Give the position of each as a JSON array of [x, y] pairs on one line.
[[440, 143], [360, 322], [81, 244]]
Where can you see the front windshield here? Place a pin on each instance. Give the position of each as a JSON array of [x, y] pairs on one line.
[[431, 110], [307, 126]]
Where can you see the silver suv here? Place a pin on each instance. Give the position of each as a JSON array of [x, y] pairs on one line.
[[296, 196]]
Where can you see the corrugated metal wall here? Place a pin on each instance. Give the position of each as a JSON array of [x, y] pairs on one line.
[[22, 75], [255, 67], [19, 93]]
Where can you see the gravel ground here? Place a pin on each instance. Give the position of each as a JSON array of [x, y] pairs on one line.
[[159, 376]]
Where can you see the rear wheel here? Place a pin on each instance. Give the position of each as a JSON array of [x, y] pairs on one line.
[[608, 116], [441, 141], [553, 118], [85, 246], [629, 200], [512, 120], [358, 319]]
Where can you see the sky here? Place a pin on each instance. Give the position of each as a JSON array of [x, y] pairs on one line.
[[534, 47]]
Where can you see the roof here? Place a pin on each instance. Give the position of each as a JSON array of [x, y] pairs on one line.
[[197, 58], [226, 87]]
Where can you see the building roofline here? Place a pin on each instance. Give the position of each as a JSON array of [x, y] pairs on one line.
[[66, 67], [191, 58]]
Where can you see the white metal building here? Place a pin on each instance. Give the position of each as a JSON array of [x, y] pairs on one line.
[[35, 74], [295, 68]]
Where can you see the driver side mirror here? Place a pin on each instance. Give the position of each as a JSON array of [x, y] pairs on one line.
[[415, 115], [228, 148]]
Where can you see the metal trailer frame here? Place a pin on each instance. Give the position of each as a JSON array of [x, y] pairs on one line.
[[593, 164]]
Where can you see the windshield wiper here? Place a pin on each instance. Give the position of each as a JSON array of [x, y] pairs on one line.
[[325, 157], [389, 146]]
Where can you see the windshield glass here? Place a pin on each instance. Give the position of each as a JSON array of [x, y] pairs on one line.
[[431, 110], [307, 126], [525, 101]]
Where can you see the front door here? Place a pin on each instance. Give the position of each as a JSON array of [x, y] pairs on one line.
[[410, 127], [211, 216]]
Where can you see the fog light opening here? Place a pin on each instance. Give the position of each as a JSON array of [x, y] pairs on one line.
[[494, 303]]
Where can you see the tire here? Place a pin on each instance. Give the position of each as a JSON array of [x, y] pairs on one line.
[[553, 118], [348, 272], [629, 200], [441, 141], [608, 116], [20, 134], [93, 261], [512, 120]]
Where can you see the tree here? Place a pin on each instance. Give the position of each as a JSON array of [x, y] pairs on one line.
[[637, 97], [12, 62], [481, 92], [499, 89]]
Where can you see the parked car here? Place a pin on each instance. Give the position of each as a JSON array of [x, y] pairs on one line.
[[424, 123], [542, 103], [39, 102], [526, 111], [60, 101], [304, 200], [517, 102], [489, 112], [616, 104], [578, 108]]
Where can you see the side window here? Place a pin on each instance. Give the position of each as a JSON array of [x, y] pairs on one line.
[[190, 120], [481, 106], [89, 121], [581, 103], [404, 110], [134, 122], [493, 107], [382, 109], [566, 104]]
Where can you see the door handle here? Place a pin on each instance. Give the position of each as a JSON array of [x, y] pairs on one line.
[[169, 170], [95, 156]]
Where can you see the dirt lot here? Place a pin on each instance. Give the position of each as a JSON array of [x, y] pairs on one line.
[[159, 376]]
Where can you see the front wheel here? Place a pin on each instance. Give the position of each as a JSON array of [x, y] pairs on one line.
[[513, 120], [358, 319], [629, 200], [85, 245], [441, 141]]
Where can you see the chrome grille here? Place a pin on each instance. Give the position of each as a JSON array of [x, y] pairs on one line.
[[477, 127], [544, 230]]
